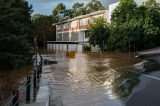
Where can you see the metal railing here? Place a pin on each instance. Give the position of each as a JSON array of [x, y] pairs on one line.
[[23, 91]]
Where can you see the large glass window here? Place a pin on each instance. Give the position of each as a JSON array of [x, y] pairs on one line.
[[66, 36], [59, 37], [84, 22], [74, 24]]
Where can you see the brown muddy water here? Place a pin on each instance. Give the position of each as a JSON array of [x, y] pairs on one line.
[[88, 80], [110, 79], [10, 80]]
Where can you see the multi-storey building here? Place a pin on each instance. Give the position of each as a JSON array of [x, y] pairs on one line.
[[76, 29]]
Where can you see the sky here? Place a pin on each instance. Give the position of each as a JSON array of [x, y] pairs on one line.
[[46, 6]]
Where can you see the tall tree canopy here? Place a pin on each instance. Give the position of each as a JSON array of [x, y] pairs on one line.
[[123, 12], [93, 6], [78, 9], [59, 11], [135, 27], [15, 29], [43, 28]]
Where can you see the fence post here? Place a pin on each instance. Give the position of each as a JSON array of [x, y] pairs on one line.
[[34, 79], [28, 87], [38, 67], [15, 101]]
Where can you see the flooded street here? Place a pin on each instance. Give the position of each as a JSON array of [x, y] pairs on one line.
[[89, 80], [109, 79], [10, 80]]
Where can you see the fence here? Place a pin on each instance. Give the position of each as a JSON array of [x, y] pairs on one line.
[[23, 91]]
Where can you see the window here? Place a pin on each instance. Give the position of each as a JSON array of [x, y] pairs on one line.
[[58, 27], [84, 22], [74, 24], [66, 25]]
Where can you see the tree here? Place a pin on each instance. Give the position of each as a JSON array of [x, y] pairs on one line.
[[123, 12], [68, 14], [152, 23], [43, 28], [135, 27], [81, 9], [15, 29], [99, 33], [94, 6], [78, 9], [59, 11]]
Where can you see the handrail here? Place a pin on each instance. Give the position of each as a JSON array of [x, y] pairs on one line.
[[15, 96]]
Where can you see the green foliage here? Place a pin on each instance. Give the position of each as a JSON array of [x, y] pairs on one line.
[[15, 29], [123, 12], [99, 33], [43, 28], [94, 6], [78, 9], [68, 14], [135, 27], [60, 13]]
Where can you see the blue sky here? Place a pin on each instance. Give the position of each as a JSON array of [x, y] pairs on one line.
[[46, 6]]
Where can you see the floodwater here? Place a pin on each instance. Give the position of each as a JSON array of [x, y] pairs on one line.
[[110, 79], [10, 80], [89, 80]]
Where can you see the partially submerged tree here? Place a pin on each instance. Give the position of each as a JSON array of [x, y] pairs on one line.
[[99, 33]]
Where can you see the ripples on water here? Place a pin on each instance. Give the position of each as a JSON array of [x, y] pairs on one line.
[[87, 80], [93, 80]]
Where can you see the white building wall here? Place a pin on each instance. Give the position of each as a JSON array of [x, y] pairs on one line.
[[111, 9]]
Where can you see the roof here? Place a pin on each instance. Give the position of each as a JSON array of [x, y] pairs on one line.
[[82, 16]]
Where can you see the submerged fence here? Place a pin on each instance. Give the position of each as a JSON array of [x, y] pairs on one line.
[[23, 91]]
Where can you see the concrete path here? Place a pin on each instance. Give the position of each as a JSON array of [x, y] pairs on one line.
[[37, 104], [149, 53]]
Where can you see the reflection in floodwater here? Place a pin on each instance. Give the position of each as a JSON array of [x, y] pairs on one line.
[[91, 80], [86, 80], [117, 80]]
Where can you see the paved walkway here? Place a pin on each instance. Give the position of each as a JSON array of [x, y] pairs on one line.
[[149, 53], [38, 104]]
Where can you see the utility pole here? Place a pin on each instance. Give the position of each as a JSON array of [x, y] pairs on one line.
[[36, 51], [44, 40]]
